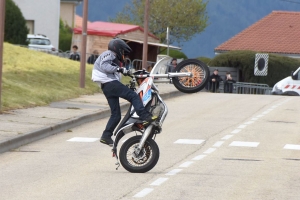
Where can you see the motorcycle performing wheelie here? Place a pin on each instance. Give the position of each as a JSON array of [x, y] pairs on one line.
[[140, 153]]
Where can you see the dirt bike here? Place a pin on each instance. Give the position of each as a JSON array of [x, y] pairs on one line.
[[140, 153]]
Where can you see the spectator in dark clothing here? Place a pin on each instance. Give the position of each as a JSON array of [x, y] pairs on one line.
[[214, 81], [172, 65], [228, 83], [74, 55], [93, 57]]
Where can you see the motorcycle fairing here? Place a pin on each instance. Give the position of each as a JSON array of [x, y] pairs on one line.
[[144, 91]]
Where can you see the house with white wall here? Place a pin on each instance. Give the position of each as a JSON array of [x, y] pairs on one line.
[[42, 16]]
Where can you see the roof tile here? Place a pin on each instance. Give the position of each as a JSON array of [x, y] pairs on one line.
[[278, 32]]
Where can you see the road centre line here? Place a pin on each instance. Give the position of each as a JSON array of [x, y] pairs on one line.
[[236, 131], [249, 122], [144, 192], [210, 150], [266, 112], [173, 172], [292, 146], [186, 164], [188, 141], [200, 157], [226, 137], [258, 116], [159, 181], [244, 144], [218, 144], [242, 126], [254, 119]]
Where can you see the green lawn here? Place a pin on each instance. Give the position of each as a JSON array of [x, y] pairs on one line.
[[32, 78]]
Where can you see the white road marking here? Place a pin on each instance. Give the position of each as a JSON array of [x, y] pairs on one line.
[[144, 192], [244, 144], [226, 137], [189, 141], [236, 131], [274, 107], [266, 112], [159, 181], [83, 139], [254, 119], [186, 164], [218, 144], [242, 126], [292, 146], [173, 172], [199, 157], [249, 122], [258, 116], [210, 150]]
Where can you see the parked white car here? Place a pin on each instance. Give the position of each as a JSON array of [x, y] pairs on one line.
[[289, 85], [39, 42]]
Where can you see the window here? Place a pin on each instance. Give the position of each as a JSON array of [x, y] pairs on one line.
[[39, 41]]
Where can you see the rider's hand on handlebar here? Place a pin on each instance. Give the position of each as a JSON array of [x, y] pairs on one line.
[[124, 71]]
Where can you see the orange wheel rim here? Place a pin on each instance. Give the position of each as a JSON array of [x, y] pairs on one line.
[[196, 79]]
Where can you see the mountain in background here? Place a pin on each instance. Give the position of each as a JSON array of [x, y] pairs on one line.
[[226, 19]]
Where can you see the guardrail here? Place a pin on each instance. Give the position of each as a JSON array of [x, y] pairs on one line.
[[242, 88]]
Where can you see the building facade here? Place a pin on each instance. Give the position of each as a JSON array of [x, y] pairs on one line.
[[42, 17]]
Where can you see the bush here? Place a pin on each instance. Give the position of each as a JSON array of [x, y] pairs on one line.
[[173, 53], [279, 67], [65, 36], [204, 59], [15, 25]]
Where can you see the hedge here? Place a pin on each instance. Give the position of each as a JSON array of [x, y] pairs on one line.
[[279, 67]]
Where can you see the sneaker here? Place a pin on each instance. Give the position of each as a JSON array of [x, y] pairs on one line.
[[107, 141], [149, 120]]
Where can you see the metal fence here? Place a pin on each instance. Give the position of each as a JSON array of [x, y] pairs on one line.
[[138, 65], [242, 88]]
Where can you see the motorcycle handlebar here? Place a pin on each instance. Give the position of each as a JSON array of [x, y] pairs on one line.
[[169, 75]]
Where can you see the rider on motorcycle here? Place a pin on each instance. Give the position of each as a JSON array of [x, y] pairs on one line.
[[105, 74]]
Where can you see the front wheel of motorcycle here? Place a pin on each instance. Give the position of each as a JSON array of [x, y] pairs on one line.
[[144, 161], [200, 75]]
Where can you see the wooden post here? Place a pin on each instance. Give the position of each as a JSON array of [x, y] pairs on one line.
[[146, 30], [83, 44], [2, 23]]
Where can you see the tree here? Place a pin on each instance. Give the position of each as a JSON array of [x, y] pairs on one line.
[[15, 31], [65, 36], [184, 18]]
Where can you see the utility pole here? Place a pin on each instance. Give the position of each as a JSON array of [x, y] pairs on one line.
[[146, 29], [83, 43], [168, 40], [2, 23]]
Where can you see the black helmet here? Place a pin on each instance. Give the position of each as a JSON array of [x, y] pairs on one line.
[[119, 47]]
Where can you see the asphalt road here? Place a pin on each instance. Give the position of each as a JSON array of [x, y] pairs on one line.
[[213, 146]]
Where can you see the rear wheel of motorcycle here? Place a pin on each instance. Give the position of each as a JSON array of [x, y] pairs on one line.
[[143, 162], [195, 83]]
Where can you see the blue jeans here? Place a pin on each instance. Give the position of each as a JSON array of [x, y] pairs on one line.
[[113, 91]]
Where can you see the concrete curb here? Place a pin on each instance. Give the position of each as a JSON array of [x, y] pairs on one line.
[[27, 138]]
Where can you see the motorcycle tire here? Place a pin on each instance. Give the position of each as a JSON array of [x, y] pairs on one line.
[[195, 83], [142, 163]]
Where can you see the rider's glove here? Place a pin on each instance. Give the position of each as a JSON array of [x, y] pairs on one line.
[[124, 71]]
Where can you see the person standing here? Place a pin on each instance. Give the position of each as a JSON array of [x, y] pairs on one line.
[[214, 81], [74, 55], [173, 65], [228, 83], [106, 74], [93, 57]]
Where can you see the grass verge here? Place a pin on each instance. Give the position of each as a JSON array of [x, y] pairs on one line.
[[32, 78]]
